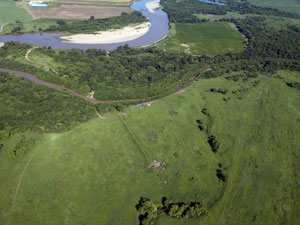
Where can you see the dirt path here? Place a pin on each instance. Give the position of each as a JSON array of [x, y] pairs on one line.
[[19, 184], [135, 139], [1, 27], [29, 60], [25, 6], [101, 117], [28, 52]]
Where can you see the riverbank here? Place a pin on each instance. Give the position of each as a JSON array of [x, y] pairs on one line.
[[112, 36], [151, 6]]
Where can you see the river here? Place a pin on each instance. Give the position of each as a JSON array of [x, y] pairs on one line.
[[158, 30]]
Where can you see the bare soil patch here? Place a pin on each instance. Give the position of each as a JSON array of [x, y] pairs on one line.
[[93, 2], [77, 12]]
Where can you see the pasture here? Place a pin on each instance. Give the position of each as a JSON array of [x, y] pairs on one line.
[[9, 12], [210, 38], [96, 173], [286, 5]]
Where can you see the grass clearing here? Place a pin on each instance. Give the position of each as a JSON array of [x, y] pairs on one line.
[[209, 38], [9, 12], [96, 173], [212, 17], [33, 25], [286, 5]]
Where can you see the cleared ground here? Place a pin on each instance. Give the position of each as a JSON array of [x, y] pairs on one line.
[[96, 173], [124, 3], [77, 12]]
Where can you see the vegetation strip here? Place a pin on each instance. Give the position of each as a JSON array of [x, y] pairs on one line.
[[135, 139]]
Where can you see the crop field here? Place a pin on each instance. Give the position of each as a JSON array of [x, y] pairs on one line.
[[9, 12], [97, 172], [286, 5], [77, 12]]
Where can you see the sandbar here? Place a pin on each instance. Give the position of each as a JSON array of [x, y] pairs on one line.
[[152, 5], [111, 36]]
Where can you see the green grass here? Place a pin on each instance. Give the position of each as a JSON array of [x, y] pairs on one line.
[[229, 15], [9, 12], [286, 5], [210, 38], [95, 173], [33, 25], [171, 42]]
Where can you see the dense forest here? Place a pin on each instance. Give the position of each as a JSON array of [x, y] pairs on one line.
[[93, 25], [125, 73], [27, 106], [183, 11]]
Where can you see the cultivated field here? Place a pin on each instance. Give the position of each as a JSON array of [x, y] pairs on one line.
[[287, 5], [96, 173], [77, 12], [83, 2], [210, 38]]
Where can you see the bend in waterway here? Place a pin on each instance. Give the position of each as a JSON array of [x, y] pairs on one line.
[[158, 30]]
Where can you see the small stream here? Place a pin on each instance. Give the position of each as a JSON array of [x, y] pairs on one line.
[[158, 30]]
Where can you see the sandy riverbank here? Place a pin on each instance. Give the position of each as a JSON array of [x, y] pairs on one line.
[[1, 45], [112, 36], [152, 5]]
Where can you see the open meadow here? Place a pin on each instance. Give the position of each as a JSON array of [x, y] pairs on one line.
[[286, 5], [10, 12], [96, 172], [209, 38]]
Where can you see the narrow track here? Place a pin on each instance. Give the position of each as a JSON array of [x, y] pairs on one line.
[[2, 27], [135, 139]]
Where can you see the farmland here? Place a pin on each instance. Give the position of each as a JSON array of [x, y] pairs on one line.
[[72, 176], [77, 12], [204, 38]]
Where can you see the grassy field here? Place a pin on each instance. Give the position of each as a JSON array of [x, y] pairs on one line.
[[9, 12], [96, 173], [286, 5], [229, 15], [210, 38], [33, 25]]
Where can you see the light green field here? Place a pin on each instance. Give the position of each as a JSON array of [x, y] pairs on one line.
[[96, 173], [229, 15], [209, 38], [9, 12], [33, 25], [286, 5]]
